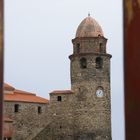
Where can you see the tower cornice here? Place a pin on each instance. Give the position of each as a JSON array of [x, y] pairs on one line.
[[86, 54], [88, 38]]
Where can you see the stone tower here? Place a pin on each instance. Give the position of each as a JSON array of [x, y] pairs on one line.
[[84, 112], [90, 81]]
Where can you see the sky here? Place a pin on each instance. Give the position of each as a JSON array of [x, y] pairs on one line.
[[38, 36]]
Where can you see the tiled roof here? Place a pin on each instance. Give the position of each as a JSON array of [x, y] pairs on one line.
[[17, 91], [8, 87], [61, 92], [23, 96]]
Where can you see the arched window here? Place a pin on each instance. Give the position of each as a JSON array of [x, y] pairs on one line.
[[99, 63], [100, 47], [77, 47], [83, 63]]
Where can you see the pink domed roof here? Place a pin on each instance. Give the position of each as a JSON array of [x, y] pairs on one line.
[[89, 28]]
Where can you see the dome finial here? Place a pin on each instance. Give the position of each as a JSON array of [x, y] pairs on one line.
[[89, 14]]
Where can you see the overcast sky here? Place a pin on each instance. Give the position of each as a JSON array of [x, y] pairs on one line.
[[38, 37]]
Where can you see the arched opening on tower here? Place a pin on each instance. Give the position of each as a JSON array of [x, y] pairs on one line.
[[100, 47], [99, 63], [83, 63], [78, 48]]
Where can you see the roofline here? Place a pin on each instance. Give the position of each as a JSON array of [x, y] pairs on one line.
[[98, 54], [8, 87], [61, 92], [23, 92], [26, 101], [85, 38]]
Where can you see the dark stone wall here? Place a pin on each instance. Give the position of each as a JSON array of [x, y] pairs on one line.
[[90, 45], [90, 73], [27, 122], [61, 126], [81, 115], [92, 113]]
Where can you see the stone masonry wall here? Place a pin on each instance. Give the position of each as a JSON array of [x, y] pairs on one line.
[[62, 119], [27, 122], [90, 45], [83, 115], [92, 114]]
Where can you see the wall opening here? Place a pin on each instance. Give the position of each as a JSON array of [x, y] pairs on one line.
[[99, 63], [16, 108], [100, 47], [78, 48], [39, 110], [59, 98], [83, 63]]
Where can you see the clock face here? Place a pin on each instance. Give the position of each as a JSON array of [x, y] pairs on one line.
[[99, 93]]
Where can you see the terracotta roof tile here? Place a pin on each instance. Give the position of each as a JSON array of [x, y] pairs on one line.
[[8, 87], [62, 92], [22, 96], [17, 91]]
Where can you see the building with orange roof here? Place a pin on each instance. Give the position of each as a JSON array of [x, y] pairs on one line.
[[82, 113], [23, 112]]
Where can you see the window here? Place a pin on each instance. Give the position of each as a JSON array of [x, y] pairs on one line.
[[99, 62], [59, 98], [100, 47], [83, 63], [16, 108], [39, 110], [78, 47]]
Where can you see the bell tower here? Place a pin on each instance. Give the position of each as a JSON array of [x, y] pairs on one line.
[[90, 81]]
